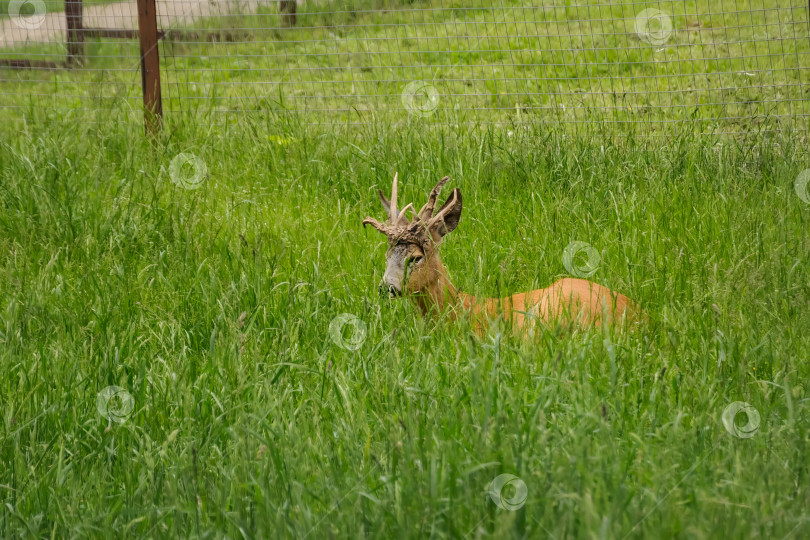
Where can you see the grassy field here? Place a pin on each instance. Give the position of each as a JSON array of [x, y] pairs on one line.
[[747, 61], [212, 307], [173, 364]]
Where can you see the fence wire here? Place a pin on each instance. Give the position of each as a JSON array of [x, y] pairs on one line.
[[729, 65]]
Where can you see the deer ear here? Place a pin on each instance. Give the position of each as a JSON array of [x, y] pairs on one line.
[[385, 202], [447, 217]]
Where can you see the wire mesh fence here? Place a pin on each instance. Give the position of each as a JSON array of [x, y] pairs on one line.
[[729, 65]]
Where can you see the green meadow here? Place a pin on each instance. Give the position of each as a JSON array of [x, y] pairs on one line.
[[193, 345], [537, 62]]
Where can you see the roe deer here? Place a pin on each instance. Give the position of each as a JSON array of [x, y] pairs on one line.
[[414, 268]]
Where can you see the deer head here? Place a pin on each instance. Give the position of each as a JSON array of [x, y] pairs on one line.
[[412, 259]]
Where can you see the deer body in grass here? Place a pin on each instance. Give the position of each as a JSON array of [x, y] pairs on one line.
[[414, 269]]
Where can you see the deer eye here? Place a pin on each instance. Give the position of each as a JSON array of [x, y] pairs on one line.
[[417, 260]]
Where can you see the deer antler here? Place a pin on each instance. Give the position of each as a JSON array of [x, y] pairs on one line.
[[397, 221], [382, 227], [395, 216], [427, 211], [448, 205], [401, 217], [392, 213]]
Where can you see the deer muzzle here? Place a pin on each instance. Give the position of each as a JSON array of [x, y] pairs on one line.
[[389, 290]]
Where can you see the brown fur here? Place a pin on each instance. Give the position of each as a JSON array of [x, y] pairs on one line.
[[568, 300]]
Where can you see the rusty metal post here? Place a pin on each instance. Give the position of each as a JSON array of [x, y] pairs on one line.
[[75, 36], [150, 65]]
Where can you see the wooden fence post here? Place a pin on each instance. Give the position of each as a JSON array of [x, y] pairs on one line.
[[150, 65], [75, 36], [287, 8]]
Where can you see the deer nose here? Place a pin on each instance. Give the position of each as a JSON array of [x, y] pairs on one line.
[[389, 290]]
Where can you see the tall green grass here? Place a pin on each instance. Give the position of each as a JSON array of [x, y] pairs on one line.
[[212, 307]]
